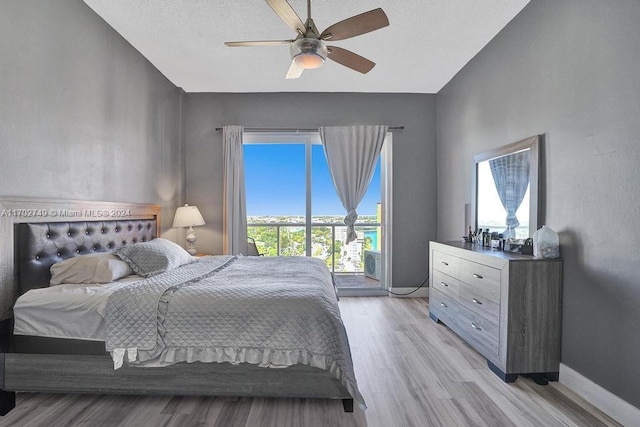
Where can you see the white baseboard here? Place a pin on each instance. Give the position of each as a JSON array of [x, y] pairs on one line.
[[408, 292], [618, 409]]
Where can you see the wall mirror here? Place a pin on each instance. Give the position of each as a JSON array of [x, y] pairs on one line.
[[506, 189]]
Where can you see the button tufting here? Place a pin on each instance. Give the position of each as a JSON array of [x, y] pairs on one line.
[[77, 251], [47, 235], [69, 233], [37, 256]]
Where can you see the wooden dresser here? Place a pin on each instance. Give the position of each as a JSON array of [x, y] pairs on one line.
[[506, 306]]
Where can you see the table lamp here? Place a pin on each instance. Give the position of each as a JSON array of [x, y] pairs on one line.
[[188, 216]]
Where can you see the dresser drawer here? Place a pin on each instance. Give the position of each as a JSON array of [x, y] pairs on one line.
[[482, 277], [479, 300], [481, 333], [478, 331], [446, 263], [445, 284], [445, 309]]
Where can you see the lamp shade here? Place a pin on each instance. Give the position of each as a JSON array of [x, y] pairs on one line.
[[187, 216]]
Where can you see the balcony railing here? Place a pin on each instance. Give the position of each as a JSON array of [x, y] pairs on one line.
[[327, 242]]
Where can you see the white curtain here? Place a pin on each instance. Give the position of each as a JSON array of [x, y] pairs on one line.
[[511, 176], [234, 217], [352, 153]]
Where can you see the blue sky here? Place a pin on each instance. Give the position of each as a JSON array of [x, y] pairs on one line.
[[275, 182]]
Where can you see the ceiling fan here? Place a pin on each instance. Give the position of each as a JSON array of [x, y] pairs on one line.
[[309, 50]]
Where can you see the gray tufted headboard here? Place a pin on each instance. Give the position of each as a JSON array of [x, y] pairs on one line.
[[40, 245]]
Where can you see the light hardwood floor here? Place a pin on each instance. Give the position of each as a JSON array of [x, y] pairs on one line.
[[411, 371]]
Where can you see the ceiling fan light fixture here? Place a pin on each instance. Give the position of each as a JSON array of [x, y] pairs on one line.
[[309, 53], [308, 61]]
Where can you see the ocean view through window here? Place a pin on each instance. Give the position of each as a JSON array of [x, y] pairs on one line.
[[293, 208]]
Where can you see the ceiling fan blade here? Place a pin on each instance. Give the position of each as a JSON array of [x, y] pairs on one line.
[[356, 25], [295, 71], [289, 16], [350, 59], [259, 43]]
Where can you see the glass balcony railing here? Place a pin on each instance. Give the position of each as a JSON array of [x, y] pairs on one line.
[[326, 242]]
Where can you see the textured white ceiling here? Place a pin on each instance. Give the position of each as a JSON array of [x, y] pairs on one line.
[[425, 45]]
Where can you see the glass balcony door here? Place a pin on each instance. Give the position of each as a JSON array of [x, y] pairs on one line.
[[293, 208], [275, 181]]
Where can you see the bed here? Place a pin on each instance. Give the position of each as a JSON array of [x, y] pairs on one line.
[[151, 354]]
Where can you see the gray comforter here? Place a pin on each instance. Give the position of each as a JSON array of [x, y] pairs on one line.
[[275, 312]]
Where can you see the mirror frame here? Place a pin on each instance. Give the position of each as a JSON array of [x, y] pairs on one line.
[[532, 143]]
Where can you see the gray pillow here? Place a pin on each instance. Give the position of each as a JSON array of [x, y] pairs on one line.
[[154, 257], [101, 267]]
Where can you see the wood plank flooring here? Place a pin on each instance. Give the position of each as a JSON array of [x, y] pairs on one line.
[[411, 371]]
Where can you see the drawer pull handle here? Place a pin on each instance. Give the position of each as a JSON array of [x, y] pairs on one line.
[[443, 262], [476, 301], [443, 305], [477, 276], [444, 284], [476, 326]]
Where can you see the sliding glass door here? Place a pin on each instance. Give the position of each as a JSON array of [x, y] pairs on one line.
[[275, 179], [293, 208]]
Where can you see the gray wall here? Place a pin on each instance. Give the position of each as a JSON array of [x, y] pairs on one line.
[[82, 114], [569, 70], [414, 190]]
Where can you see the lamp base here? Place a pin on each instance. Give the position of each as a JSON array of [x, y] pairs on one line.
[[191, 242]]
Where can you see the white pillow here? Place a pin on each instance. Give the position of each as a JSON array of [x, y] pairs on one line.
[[154, 257], [102, 267]]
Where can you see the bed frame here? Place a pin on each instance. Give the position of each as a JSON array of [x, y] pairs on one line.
[[35, 364]]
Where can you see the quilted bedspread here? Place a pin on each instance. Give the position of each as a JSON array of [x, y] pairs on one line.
[[270, 311]]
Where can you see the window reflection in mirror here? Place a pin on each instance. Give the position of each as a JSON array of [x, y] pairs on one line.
[[492, 214], [506, 189]]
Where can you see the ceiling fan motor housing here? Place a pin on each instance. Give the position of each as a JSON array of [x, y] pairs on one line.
[[309, 53]]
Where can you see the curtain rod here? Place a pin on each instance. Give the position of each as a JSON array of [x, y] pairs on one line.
[[296, 130]]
